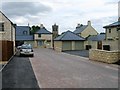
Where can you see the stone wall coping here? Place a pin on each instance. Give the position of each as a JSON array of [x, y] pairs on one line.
[[115, 51]]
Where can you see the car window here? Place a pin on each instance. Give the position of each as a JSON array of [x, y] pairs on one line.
[[26, 47]]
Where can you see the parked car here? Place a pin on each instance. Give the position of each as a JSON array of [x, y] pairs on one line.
[[26, 49]]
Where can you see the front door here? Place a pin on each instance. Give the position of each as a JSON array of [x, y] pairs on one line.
[[99, 45]]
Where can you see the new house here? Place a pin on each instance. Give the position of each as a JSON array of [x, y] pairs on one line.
[[23, 35], [112, 39], [43, 37], [7, 37]]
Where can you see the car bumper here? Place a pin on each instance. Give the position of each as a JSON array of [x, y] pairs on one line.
[[26, 53]]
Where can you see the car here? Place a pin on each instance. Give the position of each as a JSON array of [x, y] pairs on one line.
[[26, 49]]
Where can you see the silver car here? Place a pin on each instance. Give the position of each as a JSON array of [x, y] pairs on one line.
[[26, 50]]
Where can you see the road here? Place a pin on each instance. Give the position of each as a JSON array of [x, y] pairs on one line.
[[18, 73], [60, 70]]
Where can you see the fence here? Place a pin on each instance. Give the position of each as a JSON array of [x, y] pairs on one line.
[[6, 50]]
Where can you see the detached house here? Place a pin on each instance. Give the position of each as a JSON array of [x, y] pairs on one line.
[[68, 41], [43, 38], [7, 37], [85, 30], [112, 37]]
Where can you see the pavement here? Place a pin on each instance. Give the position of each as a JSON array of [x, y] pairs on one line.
[[18, 73], [61, 70], [83, 53]]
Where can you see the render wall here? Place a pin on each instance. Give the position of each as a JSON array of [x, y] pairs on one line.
[[88, 31]]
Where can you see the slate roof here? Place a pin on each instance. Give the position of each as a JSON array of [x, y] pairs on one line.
[[43, 31], [25, 38], [113, 24], [20, 35], [80, 29], [69, 36], [20, 29], [98, 37]]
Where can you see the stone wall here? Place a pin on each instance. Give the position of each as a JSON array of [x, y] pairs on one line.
[[104, 56]]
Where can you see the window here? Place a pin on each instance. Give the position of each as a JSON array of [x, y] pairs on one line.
[[39, 35], [109, 30], [1, 26], [24, 32], [118, 29]]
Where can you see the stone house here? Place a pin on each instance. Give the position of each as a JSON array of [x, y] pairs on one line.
[[7, 37], [85, 30], [112, 37], [7, 29], [94, 41], [43, 38], [68, 41]]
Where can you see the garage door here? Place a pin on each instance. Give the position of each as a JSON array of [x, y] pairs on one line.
[[66, 45], [79, 45]]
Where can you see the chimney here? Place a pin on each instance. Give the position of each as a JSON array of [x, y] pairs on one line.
[[89, 23], [41, 26], [119, 19]]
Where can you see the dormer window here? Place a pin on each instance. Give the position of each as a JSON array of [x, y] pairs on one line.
[[24, 32], [1, 26], [109, 30]]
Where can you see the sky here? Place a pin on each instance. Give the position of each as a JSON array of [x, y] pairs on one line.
[[65, 13]]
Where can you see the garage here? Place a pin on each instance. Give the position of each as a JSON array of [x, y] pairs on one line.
[[79, 45], [69, 41], [66, 45]]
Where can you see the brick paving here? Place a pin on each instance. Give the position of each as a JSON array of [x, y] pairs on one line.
[[60, 70]]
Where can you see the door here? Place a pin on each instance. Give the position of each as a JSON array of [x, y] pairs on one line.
[[99, 45]]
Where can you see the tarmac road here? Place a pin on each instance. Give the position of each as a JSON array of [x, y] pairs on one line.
[[60, 70], [19, 74]]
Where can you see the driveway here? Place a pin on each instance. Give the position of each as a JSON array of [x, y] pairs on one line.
[[83, 53], [60, 70], [19, 74]]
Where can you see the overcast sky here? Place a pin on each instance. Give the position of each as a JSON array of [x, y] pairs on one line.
[[66, 13]]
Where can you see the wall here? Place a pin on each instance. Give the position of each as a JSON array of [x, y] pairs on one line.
[[104, 56], [88, 31], [92, 43], [58, 45], [113, 44]]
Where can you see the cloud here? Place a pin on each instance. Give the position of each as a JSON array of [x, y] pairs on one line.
[[24, 8]]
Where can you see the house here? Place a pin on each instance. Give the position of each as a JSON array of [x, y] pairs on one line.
[[112, 37], [94, 41], [23, 35], [43, 37], [68, 41], [85, 30], [7, 37]]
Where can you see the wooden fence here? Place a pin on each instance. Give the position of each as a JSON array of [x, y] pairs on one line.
[[6, 50]]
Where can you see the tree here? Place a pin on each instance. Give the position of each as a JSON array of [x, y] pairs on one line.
[[34, 29]]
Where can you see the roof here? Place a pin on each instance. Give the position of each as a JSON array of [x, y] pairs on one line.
[[21, 29], [43, 31], [98, 37], [113, 24], [27, 37], [80, 29], [69, 36]]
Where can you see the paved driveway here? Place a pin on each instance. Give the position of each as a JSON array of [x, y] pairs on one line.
[[83, 53], [60, 70], [19, 74]]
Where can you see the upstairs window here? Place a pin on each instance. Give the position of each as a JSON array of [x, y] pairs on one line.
[[109, 30], [39, 35], [118, 29], [1, 26], [24, 32]]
